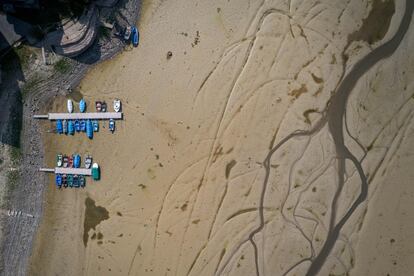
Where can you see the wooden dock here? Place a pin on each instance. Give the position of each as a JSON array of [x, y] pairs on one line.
[[61, 170], [81, 116]]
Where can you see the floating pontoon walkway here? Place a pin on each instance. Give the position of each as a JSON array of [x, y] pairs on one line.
[[60, 170], [81, 116]]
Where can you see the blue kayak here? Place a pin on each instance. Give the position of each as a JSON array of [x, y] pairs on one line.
[[83, 125], [135, 36], [76, 161], [59, 126], [71, 127], [65, 127], [82, 106], [77, 126], [89, 129], [58, 180]]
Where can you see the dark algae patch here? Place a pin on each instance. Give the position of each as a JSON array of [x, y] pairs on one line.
[[376, 25], [93, 216]]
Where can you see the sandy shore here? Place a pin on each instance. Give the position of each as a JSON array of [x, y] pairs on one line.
[[183, 173]]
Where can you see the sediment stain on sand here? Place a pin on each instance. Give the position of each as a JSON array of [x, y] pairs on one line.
[[94, 215]]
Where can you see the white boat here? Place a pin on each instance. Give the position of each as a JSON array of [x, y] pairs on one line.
[[117, 105], [70, 106]]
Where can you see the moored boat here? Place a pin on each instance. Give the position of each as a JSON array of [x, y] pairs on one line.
[[71, 127], [70, 180], [65, 126], [89, 129], [88, 161], [95, 126], [117, 105], [58, 180], [98, 106], [112, 125], [76, 161], [70, 106], [59, 127], [82, 181], [77, 126], [65, 161], [82, 105], [83, 125], [96, 174], [104, 106], [59, 160]]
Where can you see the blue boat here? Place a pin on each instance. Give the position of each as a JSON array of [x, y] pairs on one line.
[[76, 183], [76, 161], [89, 129], [71, 127], [135, 36], [77, 126], [112, 125], [58, 180], [95, 126], [65, 127], [59, 127], [83, 125], [82, 105]]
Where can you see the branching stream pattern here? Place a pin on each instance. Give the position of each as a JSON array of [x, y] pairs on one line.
[[334, 118]]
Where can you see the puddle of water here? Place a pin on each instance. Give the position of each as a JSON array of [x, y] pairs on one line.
[[93, 216]]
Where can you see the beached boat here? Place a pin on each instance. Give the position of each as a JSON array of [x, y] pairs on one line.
[[70, 106], [112, 125], [83, 125], [89, 129], [76, 161], [71, 127], [59, 127], [135, 36], [82, 105], [82, 181], [59, 160], [88, 161], [70, 161], [104, 106], [127, 32], [98, 106], [77, 126], [65, 161], [58, 180], [96, 174], [70, 180], [64, 181], [76, 181], [65, 126], [95, 126], [117, 105]]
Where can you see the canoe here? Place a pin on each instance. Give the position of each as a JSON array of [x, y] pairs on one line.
[[82, 105], [70, 106]]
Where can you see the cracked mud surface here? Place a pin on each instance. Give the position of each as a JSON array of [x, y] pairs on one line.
[[267, 144]]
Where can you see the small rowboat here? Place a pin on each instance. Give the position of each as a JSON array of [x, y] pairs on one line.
[[117, 105]]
